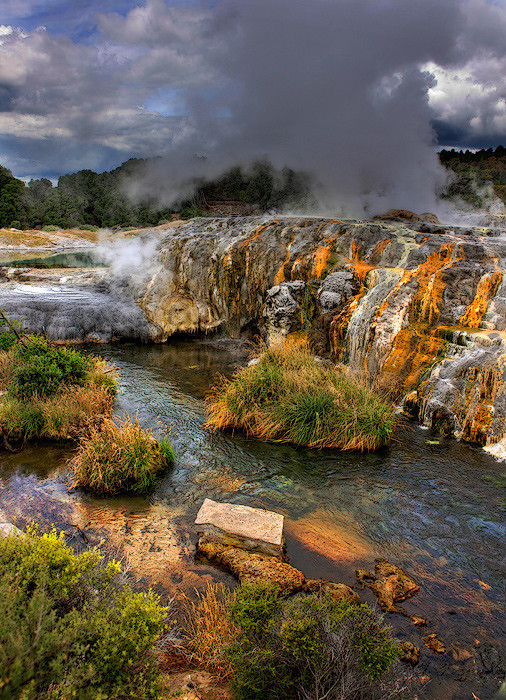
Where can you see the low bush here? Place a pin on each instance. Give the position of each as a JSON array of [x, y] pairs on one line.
[[69, 627], [287, 396], [301, 648], [309, 648], [50, 392], [118, 458], [50, 228]]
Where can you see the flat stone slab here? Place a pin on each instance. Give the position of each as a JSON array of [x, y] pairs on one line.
[[252, 529], [8, 529]]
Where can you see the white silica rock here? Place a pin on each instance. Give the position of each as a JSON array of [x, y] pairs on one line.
[[252, 529]]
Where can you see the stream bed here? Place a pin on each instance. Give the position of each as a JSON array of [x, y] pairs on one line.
[[434, 506]]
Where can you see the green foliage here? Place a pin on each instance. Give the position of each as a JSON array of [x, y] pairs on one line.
[[120, 458], [191, 213], [15, 224], [7, 340], [44, 369], [49, 228], [309, 647], [50, 392], [69, 628], [288, 397], [253, 607], [472, 171]]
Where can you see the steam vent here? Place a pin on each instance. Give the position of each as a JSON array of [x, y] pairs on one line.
[[418, 305]]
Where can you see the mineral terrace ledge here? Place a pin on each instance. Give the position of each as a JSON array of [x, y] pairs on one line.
[[241, 526]]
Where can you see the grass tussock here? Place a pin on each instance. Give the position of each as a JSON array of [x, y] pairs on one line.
[[51, 393], [209, 631], [120, 458], [287, 396]]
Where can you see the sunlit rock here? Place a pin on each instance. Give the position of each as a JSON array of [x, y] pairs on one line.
[[241, 526], [250, 567], [389, 583]]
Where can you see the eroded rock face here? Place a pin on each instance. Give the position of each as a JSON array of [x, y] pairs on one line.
[[403, 301], [389, 583], [407, 301]]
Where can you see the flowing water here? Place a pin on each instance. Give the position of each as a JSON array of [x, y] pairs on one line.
[[434, 506]]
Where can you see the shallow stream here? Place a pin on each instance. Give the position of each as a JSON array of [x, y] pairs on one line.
[[434, 506]]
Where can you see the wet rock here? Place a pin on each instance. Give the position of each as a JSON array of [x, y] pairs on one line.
[[252, 568], [283, 309], [241, 526], [389, 583], [433, 643], [410, 653], [338, 591]]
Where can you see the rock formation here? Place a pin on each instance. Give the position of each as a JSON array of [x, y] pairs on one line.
[[418, 304]]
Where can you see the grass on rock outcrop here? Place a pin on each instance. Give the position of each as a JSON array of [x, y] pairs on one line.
[[288, 396], [120, 458], [49, 392]]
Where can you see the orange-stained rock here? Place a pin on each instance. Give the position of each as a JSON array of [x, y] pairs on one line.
[[433, 643], [389, 583], [338, 591], [252, 568]]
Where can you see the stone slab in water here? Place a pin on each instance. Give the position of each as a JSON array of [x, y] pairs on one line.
[[249, 528]]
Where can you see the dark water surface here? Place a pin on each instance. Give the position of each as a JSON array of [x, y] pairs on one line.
[[435, 509]]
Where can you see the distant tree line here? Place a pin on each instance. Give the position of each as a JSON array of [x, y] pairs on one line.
[[88, 199], [474, 170]]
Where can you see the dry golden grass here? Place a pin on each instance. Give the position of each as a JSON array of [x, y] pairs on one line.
[[209, 632], [289, 397], [116, 458]]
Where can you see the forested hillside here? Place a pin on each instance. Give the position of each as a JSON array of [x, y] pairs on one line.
[[475, 170], [89, 199], [94, 199]]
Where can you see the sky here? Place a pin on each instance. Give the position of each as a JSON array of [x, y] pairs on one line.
[[359, 92]]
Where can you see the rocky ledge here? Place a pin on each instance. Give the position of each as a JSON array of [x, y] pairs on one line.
[[417, 304]]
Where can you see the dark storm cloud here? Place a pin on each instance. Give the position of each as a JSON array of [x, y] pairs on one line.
[[348, 90]]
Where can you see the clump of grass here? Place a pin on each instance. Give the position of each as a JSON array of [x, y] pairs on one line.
[[50, 392], [120, 458], [209, 632], [287, 396]]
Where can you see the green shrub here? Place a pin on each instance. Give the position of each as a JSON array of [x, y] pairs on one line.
[[288, 397], [44, 369], [120, 458], [15, 224], [50, 228], [51, 392], [69, 628], [7, 340], [309, 647], [191, 213]]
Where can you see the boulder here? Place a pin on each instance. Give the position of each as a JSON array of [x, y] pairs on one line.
[[248, 567], [241, 526], [389, 583], [282, 312], [337, 288], [338, 591]]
